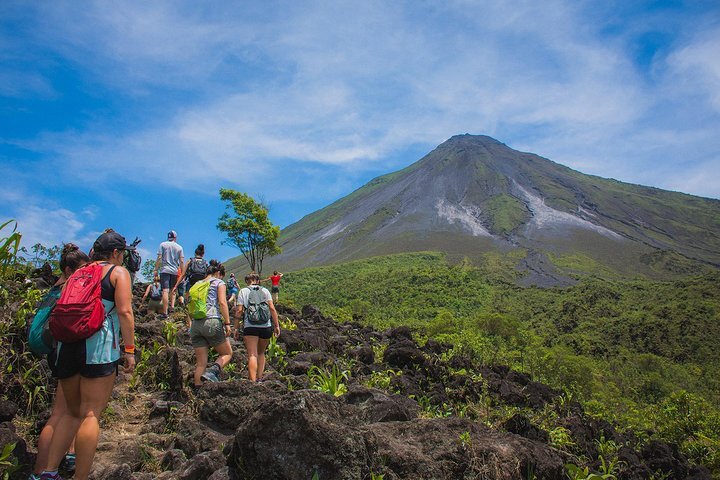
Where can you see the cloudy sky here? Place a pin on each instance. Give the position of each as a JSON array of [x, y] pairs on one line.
[[134, 114]]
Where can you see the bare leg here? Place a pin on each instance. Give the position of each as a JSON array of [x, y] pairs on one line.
[[86, 399], [251, 345], [225, 351], [201, 360], [262, 345], [165, 298], [58, 410]]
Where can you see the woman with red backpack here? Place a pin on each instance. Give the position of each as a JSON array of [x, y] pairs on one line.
[[71, 259], [87, 366]]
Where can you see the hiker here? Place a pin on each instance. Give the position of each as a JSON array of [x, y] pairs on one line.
[[154, 291], [233, 289], [210, 324], [169, 264], [71, 259], [87, 368], [194, 271], [275, 282], [260, 322]]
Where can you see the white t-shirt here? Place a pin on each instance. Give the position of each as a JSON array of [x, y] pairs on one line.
[[243, 298], [170, 254]]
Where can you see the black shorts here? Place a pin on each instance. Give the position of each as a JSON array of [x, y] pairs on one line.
[[275, 290], [72, 362], [262, 332]]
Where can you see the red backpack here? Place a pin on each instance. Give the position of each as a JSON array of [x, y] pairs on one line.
[[79, 311]]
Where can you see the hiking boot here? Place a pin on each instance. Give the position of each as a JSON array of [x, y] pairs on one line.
[[212, 373], [69, 462]]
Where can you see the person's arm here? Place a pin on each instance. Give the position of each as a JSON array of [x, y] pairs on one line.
[[158, 262], [181, 275], [123, 305], [239, 311], [274, 315], [182, 267], [147, 292], [224, 311]]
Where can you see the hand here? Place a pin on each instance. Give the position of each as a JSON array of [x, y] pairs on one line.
[[227, 330], [128, 362], [237, 335], [276, 331]]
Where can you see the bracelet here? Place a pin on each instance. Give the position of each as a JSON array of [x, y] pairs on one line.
[[129, 348]]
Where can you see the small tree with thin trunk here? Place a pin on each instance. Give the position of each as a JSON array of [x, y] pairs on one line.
[[248, 228]]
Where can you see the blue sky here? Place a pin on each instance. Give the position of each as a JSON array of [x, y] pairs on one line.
[[133, 115]]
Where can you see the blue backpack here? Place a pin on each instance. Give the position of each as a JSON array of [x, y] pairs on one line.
[[40, 339]]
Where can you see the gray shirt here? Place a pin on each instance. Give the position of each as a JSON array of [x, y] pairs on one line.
[[171, 256]]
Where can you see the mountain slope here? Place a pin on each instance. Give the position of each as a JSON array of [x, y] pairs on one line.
[[473, 195]]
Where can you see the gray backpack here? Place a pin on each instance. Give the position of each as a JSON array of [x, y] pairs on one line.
[[257, 311]]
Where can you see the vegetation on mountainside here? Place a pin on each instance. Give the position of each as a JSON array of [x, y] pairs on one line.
[[640, 353], [248, 228]]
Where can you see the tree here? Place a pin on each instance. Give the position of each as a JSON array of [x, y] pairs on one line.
[[148, 269], [248, 228]]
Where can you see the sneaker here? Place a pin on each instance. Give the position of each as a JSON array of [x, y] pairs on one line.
[[209, 376], [161, 316], [69, 463], [50, 476], [34, 476]]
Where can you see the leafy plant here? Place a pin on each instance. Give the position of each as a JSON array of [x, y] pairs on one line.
[[328, 381], [287, 323], [8, 462], [465, 440], [381, 379], [561, 439], [170, 330], [576, 473], [9, 247]]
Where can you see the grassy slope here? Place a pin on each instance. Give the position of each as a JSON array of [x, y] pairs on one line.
[[635, 339]]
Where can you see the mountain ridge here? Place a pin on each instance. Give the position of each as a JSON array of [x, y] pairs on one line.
[[473, 195]]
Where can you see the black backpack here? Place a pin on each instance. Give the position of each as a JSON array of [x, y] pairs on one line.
[[132, 260], [197, 270]]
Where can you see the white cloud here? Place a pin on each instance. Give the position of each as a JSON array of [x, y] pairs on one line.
[[697, 65], [273, 89]]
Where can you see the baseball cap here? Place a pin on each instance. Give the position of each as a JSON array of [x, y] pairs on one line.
[[107, 242], [172, 234]]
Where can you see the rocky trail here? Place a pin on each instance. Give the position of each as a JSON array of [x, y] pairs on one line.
[[345, 401]]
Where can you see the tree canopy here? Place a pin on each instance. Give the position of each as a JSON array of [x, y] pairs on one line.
[[248, 228]]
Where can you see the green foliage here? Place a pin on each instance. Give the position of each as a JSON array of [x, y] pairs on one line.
[[505, 213], [170, 331], [381, 379], [40, 254], [8, 462], [576, 473], [147, 270], [329, 381], [276, 353], [8, 247], [248, 228]]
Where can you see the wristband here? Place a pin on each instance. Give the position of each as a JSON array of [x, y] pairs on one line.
[[129, 349]]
